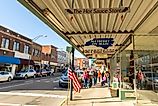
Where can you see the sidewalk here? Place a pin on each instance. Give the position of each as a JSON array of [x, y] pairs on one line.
[[96, 97], [147, 98]]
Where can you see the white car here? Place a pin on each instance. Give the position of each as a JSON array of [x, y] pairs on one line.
[[6, 76], [26, 74]]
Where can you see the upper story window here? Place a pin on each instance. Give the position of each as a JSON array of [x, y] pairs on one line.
[[16, 46], [5, 43], [26, 49]]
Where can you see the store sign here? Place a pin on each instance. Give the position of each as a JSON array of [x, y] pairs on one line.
[[21, 55], [100, 42], [98, 10], [97, 51]]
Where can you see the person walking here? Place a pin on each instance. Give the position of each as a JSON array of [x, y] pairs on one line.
[[108, 78], [140, 78], [85, 75], [95, 75], [99, 75]]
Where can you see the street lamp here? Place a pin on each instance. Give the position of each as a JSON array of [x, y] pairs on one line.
[[34, 39]]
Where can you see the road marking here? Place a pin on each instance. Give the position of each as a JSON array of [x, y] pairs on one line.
[[15, 85], [32, 94], [9, 104], [55, 81]]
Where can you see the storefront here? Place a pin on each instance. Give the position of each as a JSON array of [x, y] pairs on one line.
[[8, 63]]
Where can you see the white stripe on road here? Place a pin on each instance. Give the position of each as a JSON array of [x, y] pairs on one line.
[[32, 94], [15, 85], [55, 81], [9, 104]]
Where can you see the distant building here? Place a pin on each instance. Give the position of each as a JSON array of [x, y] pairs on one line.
[[61, 58], [49, 57], [81, 62], [18, 52]]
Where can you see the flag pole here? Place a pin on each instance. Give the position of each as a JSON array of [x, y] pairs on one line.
[[72, 67]]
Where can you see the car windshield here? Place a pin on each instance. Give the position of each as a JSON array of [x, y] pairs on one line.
[[65, 74], [23, 71], [151, 74]]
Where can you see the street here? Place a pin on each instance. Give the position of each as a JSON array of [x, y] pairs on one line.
[[28, 92]]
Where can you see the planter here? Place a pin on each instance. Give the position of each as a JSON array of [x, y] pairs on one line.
[[114, 92]]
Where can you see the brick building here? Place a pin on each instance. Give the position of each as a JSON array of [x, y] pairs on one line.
[[18, 52]]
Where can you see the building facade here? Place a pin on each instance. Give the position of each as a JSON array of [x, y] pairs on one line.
[[49, 57], [18, 52], [62, 58]]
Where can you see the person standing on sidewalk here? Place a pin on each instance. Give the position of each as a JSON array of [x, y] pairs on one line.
[[108, 78], [99, 75], [140, 78], [85, 75], [95, 75]]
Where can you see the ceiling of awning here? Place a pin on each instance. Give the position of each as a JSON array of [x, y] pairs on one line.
[[77, 29]]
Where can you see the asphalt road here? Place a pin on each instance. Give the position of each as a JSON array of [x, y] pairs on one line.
[[41, 91]]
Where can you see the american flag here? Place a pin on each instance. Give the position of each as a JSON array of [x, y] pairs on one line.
[[76, 83]]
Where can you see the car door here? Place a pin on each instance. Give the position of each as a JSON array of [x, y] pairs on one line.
[[31, 73], [6, 76], [2, 76]]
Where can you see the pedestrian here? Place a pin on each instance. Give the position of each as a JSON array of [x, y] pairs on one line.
[[95, 75], [104, 80], [140, 78], [85, 75], [99, 75], [108, 78]]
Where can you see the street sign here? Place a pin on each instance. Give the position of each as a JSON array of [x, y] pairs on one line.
[[100, 42]]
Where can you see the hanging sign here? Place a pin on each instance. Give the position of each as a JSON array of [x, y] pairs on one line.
[[98, 10], [100, 42], [105, 51]]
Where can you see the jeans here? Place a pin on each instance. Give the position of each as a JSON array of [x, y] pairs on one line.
[[140, 84], [85, 83], [108, 81]]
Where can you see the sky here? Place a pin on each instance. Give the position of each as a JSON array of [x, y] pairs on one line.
[[17, 18]]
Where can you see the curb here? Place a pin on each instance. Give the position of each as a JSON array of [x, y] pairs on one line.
[[63, 101]]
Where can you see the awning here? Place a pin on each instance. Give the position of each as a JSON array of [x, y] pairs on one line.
[[10, 60], [26, 62]]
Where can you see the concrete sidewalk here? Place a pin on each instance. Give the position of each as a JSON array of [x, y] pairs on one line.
[[147, 98], [96, 97]]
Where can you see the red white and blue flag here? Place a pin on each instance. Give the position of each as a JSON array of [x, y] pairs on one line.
[[73, 77]]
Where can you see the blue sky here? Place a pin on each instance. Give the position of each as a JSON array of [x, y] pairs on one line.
[[17, 18]]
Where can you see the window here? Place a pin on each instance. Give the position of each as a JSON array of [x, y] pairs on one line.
[[26, 49], [5, 43], [16, 46]]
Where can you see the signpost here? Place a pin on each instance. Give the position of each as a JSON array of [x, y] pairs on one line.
[[100, 42]]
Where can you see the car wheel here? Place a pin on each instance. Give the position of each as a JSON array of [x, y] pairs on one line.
[[34, 76], [60, 85], [9, 79], [25, 77]]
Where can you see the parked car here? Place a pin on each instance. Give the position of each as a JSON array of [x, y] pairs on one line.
[[26, 74], [44, 72], [50, 72], [64, 80], [151, 78], [6, 76], [38, 73]]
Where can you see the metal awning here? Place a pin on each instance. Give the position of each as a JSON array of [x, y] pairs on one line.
[[82, 26]]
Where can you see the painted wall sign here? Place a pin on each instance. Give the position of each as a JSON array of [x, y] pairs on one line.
[[98, 10], [101, 42]]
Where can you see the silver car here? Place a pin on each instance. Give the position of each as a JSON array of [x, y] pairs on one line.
[[26, 74], [6, 76]]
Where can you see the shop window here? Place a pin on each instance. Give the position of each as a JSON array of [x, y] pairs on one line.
[[5, 43]]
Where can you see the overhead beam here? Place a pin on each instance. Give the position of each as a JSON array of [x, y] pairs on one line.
[[101, 32]]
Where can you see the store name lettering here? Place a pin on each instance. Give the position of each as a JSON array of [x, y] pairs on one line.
[[98, 10]]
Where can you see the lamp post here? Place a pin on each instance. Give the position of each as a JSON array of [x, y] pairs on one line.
[[34, 39]]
